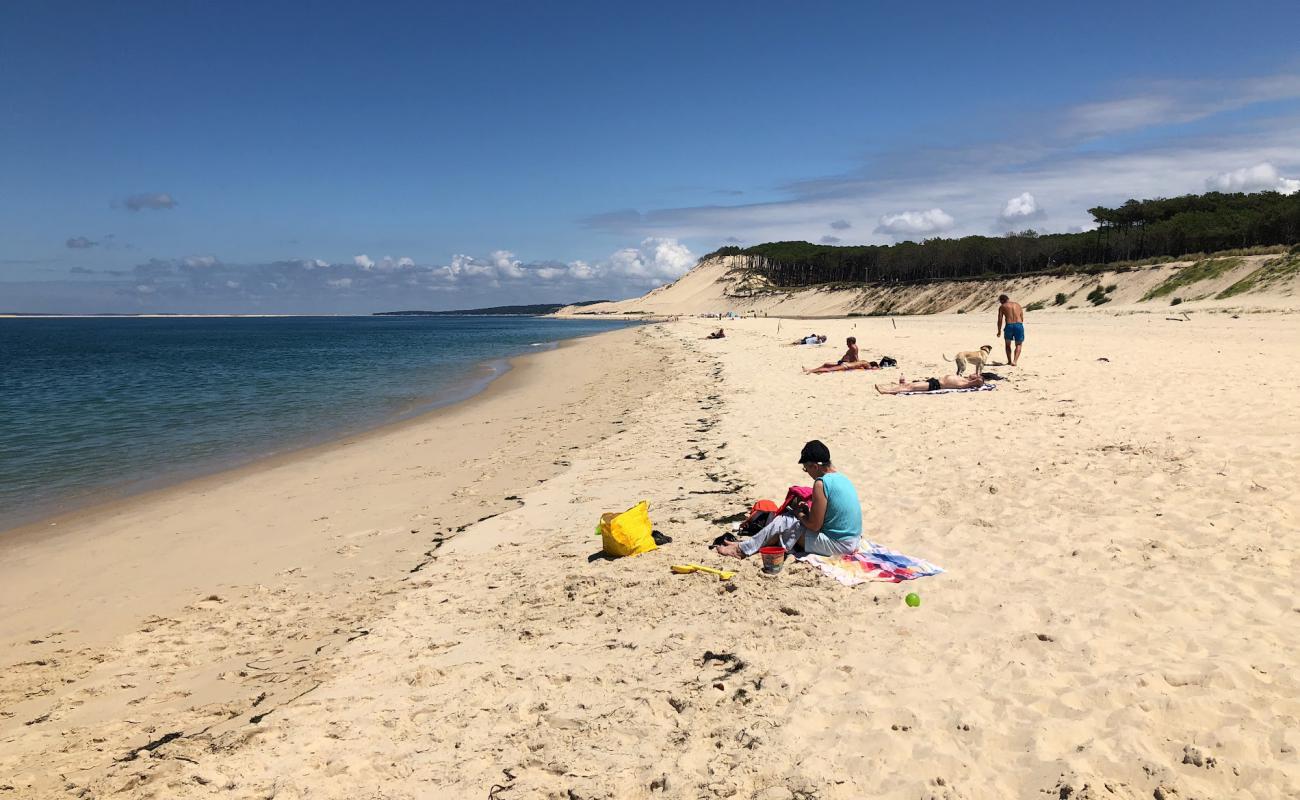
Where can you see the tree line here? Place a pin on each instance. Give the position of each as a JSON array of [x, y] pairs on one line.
[[1139, 229]]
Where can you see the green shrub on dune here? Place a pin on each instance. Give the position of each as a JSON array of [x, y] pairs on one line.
[[1098, 295]]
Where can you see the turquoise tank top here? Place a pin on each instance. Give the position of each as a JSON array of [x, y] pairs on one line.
[[843, 511]]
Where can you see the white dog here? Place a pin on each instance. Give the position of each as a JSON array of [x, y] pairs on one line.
[[976, 358]]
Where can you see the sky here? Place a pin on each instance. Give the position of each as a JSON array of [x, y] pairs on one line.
[[332, 157]]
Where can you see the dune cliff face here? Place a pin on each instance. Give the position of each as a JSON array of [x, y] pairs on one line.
[[722, 284]]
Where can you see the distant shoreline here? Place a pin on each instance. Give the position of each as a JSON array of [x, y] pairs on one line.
[[23, 315]]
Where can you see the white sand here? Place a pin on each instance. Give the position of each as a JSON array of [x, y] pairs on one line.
[[1118, 618]]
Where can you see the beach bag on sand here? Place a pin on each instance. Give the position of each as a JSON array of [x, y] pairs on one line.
[[760, 514], [629, 533]]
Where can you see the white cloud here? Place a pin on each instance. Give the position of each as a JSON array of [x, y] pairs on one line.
[[232, 284], [1021, 208], [1125, 114], [1164, 103], [157, 201], [656, 260], [144, 288], [201, 261], [506, 265], [911, 223], [581, 270], [467, 266], [1259, 178], [385, 264], [339, 283]]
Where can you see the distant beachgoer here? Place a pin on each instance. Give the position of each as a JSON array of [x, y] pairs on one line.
[[718, 334], [811, 338], [850, 355], [830, 526], [1014, 316], [932, 384]]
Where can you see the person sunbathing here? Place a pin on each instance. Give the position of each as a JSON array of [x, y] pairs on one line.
[[840, 367], [830, 526], [812, 338], [932, 384], [719, 334]]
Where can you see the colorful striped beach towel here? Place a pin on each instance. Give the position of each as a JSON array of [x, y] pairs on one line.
[[872, 562]]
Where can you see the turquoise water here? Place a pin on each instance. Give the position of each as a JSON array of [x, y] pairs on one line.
[[96, 408]]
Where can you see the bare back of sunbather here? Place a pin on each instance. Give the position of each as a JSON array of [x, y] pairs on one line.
[[946, 382]]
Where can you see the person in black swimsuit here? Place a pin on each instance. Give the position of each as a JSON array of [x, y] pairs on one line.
[[932, 384]]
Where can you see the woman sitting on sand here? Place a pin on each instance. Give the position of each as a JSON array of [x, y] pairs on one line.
[[932, 384], [850, 355], [832, 525], [719, 334]]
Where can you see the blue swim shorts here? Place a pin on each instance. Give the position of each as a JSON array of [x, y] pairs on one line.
[[1014, 332]]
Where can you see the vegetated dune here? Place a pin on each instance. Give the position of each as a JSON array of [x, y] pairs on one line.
[[1224, 282]]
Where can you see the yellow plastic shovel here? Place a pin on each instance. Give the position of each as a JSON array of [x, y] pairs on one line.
[[686, 569]]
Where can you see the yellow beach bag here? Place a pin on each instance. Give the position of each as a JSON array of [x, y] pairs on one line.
[[629, 533]]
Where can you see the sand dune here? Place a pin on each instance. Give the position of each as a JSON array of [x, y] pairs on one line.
[[1118, 616], [717, 285]]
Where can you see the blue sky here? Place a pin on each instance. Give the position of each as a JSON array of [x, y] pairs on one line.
[[347, 157]]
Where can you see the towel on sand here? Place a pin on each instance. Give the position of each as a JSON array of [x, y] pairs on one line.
[[872, 562], [988, 387]]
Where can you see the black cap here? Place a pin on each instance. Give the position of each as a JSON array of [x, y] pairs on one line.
[[815, 451]]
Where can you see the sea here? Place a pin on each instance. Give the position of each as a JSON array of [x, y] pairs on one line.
[[94, 409]]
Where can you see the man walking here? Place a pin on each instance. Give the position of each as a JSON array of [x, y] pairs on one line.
[[1014, 316]]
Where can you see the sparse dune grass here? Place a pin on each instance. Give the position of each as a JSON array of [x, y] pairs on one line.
[[1208, 269], [1273, 271]]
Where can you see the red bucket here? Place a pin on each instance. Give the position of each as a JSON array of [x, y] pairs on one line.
[[773, 558]]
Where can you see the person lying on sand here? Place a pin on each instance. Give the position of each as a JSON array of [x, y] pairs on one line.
[[812, 338], [932, 384], [718, 334], [832, 525], [840, 367]]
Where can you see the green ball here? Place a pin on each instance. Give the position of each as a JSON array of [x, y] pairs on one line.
[[913, 599]]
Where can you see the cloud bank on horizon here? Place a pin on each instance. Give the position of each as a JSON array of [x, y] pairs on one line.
[[205, 284]]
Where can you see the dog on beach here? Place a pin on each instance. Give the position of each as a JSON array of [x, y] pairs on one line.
[[976, 358]]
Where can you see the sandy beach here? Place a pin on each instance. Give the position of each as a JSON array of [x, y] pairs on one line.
[[415, 613]]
